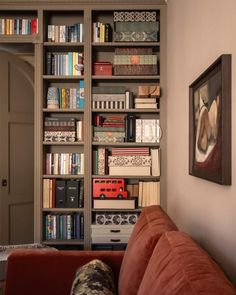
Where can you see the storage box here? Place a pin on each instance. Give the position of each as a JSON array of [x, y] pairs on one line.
[[102, 69], [135, 70], [136, 36]]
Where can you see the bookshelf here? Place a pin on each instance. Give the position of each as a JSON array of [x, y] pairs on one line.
[[63, 17]]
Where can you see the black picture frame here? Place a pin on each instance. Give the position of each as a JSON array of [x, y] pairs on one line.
[[210, 123]]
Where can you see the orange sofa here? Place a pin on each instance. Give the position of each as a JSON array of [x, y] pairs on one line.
[[158, 260]]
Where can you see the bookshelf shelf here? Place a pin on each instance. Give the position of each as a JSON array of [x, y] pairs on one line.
[[150, 77], [126, 144], [117, 210], [63, 210], [51, 77], [76, 143], [141, 111], [45, 110], [126, 44], [63, 44], [63, 176], [127, 176], [63, 242], [18, 38]]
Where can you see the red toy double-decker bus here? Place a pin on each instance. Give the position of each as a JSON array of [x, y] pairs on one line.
[[109, 188]]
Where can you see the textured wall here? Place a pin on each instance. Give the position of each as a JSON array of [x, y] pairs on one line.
[[198, 33]]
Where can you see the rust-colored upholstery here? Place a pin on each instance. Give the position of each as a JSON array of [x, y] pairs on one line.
[[152, 223], [178, 266], [34, 272], [156, 261]]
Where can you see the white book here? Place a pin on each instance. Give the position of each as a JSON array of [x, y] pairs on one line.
[[155, 162], [138, 137], [149, 130]]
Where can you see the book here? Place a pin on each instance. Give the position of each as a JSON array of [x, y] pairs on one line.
[[114, 204], [60, 194], [72, 193], [155, 162]]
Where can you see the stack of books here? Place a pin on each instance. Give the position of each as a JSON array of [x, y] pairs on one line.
[[135, 61], [109, 128], [62, 129], [64, 33], [130, 161], [147, 97]]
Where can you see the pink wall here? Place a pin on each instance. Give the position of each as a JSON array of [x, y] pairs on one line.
[[198, 32]]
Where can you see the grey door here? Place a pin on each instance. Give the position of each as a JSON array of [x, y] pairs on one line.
[[16, 150]]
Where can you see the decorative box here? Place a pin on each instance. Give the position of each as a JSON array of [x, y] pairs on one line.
[[135, 16], [102, 68], [135, 70], [136, 36]]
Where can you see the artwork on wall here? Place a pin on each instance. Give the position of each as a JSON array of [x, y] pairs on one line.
[[210, 123]]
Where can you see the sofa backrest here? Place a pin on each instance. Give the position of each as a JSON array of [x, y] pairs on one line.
[[152, 223], [178, 266]]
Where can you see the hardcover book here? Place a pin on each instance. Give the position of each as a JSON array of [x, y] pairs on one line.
[[72, 193], [60, 194]]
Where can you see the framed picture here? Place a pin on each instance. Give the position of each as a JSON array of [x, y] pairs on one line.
[[210, 123]]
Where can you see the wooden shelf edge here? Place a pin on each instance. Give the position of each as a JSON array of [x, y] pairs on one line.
[[68, 44], [63, 176], [126, 111], [52, 77], [127, 176], [76, 143], [150, 77], [46, 110], [133, 144], [130, 44], [63, 209]]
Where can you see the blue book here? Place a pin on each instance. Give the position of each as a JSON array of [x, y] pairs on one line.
[[77, 226], [81, 94]]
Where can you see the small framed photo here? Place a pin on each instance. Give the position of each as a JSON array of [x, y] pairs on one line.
[[210, 123]]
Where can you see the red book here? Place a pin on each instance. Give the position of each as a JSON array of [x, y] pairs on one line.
[[34, 26]]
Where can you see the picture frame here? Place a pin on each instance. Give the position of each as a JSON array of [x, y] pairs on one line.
[[210, 123]]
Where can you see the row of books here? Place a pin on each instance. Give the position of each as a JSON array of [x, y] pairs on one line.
[[65, 33], [66, 98], [64, 226], [64, 64], [63, 193], [63, 129], [64, 164], [102, 32], [18, 26], [127, 161]]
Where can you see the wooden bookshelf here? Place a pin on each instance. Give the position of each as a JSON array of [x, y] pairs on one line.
[[60, 13]]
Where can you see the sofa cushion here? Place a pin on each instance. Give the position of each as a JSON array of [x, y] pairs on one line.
[[178, 266], [93, 278], [151, 224]]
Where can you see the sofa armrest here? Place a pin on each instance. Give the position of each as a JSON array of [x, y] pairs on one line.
[[52, 272]]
